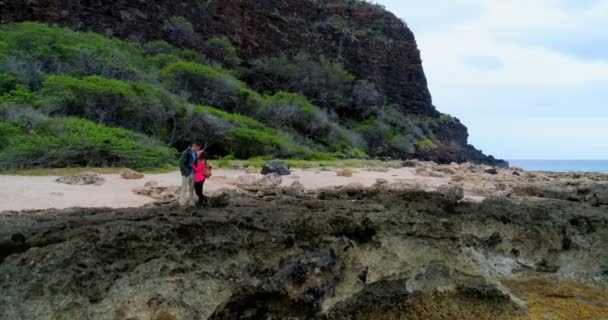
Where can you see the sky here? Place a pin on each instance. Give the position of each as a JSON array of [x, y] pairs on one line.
[[529, 78]]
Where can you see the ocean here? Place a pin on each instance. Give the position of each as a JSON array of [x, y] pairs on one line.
[[562, 165]]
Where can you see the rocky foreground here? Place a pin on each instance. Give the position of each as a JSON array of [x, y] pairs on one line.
[[535, 250]]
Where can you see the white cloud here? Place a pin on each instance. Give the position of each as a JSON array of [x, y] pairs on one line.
[[498, 62]]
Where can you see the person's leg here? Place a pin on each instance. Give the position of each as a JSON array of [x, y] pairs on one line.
[[203, 198], [183, 194], [191, 196], [198, 189]]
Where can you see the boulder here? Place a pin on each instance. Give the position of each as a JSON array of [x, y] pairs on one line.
[[446, 169], [129, 174], [251, 170], [238, 165], [275, 166], [344, 172], [457, 178], [81, 179], [412, 163], [296, 189], [377, 169], [151, 183], [380, 183], [491, 171], [219, 199], [152, 190], [270, 180], [436, 174], [246, 180], [251, 182], [454, 193]]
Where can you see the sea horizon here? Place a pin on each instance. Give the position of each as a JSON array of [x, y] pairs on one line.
[[561, 165]]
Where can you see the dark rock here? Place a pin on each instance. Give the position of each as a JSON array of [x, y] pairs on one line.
[[275, 166], [491, 171], [82, 179], [410, 163], [219, 199]]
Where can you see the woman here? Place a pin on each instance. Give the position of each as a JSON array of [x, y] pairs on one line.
[[199, 177]]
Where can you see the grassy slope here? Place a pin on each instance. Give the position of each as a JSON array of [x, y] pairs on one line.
[[167, 95]]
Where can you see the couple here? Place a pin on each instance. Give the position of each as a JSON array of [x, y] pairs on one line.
[[194, 169]]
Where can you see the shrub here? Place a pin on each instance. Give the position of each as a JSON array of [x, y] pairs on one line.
[[7, 82], [79, 143], [376, 135], [221, 50], [324, 82], [161, 51], [33, 49], [426, 144], [246, 143], [20, 95], [289, 110], [133, 106], [181, 32], [219, 129], [203, 84]]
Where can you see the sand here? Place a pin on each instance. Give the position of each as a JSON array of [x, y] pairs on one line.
[[42, 192]]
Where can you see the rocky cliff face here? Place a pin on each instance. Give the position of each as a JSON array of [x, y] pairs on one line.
[[372, 43]]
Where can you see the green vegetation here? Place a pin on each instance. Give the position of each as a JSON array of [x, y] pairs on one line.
[[221, 50], [426, 144], [68, 142], [72, 99]]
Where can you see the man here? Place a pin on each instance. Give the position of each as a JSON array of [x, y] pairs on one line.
[[186, 160]]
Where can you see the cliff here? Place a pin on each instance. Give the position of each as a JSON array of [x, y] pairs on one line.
[[371, 42]]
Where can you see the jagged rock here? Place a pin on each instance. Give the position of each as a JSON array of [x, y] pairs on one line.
[[381, 181], [454, 193], [357, 253], [275, 166], [251, 170], [250, 182], [151, 183], [590, 192], [270, 180], [129, 174], [457, 178], [296, 189], [219, 199], [152, 190], [344, 172], [246, 180], [491, 171], [445, 169], [81, 179], [436, 174], [421, 170], [410, 163]]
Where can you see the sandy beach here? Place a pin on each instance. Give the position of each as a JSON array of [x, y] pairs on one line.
[[43, 192]]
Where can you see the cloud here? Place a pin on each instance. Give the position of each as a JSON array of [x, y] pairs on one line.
[[483, 62], [511, 67]]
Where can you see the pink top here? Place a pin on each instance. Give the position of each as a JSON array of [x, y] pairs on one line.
[[198, 168]]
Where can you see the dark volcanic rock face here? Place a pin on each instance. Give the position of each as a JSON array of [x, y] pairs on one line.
[[348, 253], [372, 42]]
